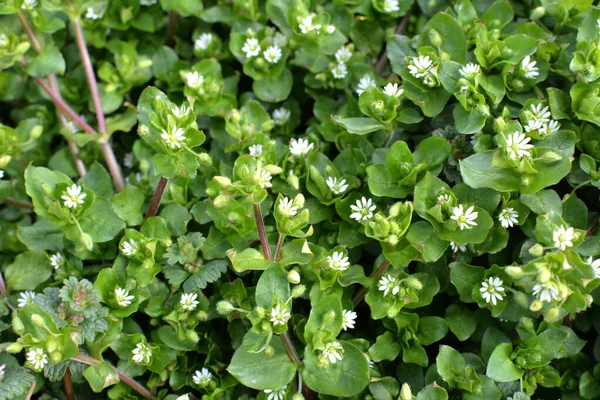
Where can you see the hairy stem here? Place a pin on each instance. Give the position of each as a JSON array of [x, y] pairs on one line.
[[261, 232], [360, 295], [18, 203], [30, 391], [279, 246], [289, 348], [68, 385], [157, 197], [384, 57], [126, 379]]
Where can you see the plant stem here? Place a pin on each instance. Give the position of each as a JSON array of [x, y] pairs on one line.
[[261, 232], [384, 57], [593, 228], [279, 246], [157, 197], [30, 391], [34, 42], [172, 28], [109, 155], [68, 385], [2, 285], [289, 348], [18, 203], [126, 379], [360, 295]]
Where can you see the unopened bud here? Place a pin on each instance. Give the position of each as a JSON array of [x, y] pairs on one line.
[[36, 132], [221, 200], [47, 189], [293, 181], [514, 272], [202, 315], [589, 299], [413, 283], [536, 306], [499, 125], [38, 320], [298, 291], [297, 396], [224, 307], [405, 392], [143, 130], [322, 363], [204, 159], [17, 326], [14, 347], [235, 117], [553, 314], [551, 157], [144, 166], [299, 200], [269, 351], [293, 277], [378, 106], [260, 312], [435, 37], [537, 13], [4, 160], [536, 250]]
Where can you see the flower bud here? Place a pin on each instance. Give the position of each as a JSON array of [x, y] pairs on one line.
[[552, 314], [293, 180], [269, 351], [36, 132], [297, 396], [260, 312], [38, 320], [322, 363], [224, 307], [202, 315], [378, 106], [298, 291], [514, 272], [499, 125], [4, 160], [17, 326], [221, 200], [544, 274], [293, 277], [405, 392], [413, 283], [86, 240], [14, 347], [47, 189], [537, 13], [550, 157], [536, 250], [235, 117], [329, 317], [589, 299], [272, 169], [299, 200], [536, 306], [435, 38], [204, 159], [144, 166]]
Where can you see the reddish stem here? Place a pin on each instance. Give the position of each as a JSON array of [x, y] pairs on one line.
[[157, 197], [384, 57], [261, 232]]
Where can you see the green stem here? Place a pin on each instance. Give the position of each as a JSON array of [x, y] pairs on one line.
[[289, 348], [362, 292], [279, 246]]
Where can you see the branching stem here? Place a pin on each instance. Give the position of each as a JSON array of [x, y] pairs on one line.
[[360, 295]]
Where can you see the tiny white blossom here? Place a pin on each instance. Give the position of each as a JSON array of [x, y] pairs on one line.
[[281, 115], [129, 248], [443, 198], [287, 207], [2, 371], [363, 210], [390, 6], [545, 292], [348, 319], [180, 112], [194, 79], [122, 297], [553, 126], [29, 4], [175, 138], [300, 147], [388, 284], [517, 145], [25, 298], [203, 41], [365, 83], [330, 29], [337, 187], [464, 219], [255, 150], [148, 2], [338, 261], [534, 125], [595, 265], [333, 352], [280, 315], [469, 70], [128, 160], [95, 12], [73, 196], [563, 237], [598, 24], [275, 394], [57, 260], [540, 112], [251, 47], [306, 25], [508, 217], [492, 290], [1, 174], [37, 358], [263, 178], [202, 377], [457, 247], [529, 68], [339, 71], [420, 66], [188, 301], [272, 54], [343, 54], [393, 90], [3, 40], [142, 353]]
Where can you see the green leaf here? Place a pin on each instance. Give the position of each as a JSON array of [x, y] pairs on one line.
[[468, 122], [28, 271], [500, 366], [101, 222], [465, 277], [49, 61], [325, 319], [431, 392], [453, 38], [359, 126], [208, 273], [431, 330], [461, 321], [128, 205], [272, 287], [15, 383], [43, 235], [385, 348], [101, 376], [248, 259], [274, 89]]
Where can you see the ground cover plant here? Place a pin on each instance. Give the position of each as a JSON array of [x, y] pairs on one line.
[[289, 199]]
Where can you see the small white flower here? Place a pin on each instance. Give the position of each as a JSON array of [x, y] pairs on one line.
[[464, 219], [363, 210], [202, 377], [25, 298], [553, 126], [365, 83], [338, 261], [420, 66], [122, 297], [180, 112], [148, 2], [595, 265], [517, 146], [263, 178], [29, 4], [194, 79], [142, 353], [280, 315], [534, 125], [339, 71], [175, 138], [333, 352], [306, 25], [128, 160], [336, 187], [343, 54], [188, 301], [37, 358], [279, 39], [272, 54], [203, 41], [469, 70], [95, 12], [508, 217], [1, 174], [540, 112], [390, 6], [546, 292], [73, 196], [598, 23], [300, 147], [129, 248], [275, 394], [388, 284], [251, 47], [529, 68], [563, 237], [443, 198], [281, 115], [287, 207], [393, 90], [57, 260], [348, 319], [330, 29], [2, 372], [458, 247], [492, 290], [255, 150]]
